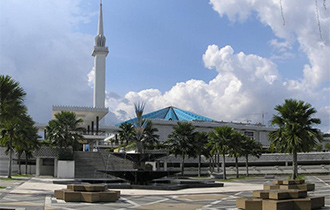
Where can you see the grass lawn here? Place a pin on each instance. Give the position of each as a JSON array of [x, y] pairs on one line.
[[8, 179]]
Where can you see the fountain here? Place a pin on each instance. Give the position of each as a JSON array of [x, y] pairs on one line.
[[139, 175], [143, 177]]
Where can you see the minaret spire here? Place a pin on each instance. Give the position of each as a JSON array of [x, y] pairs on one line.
[[100, 26], [100, 38], [100, 51]]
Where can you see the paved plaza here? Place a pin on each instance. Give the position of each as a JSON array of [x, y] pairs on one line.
[[36, 193]]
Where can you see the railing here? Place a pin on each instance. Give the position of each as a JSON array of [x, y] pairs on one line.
[[94, 133]]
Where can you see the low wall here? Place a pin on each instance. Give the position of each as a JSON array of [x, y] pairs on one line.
[[65, 169]]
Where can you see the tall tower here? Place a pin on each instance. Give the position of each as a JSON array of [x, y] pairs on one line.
[[100, 51]]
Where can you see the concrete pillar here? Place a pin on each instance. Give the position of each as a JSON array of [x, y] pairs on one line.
[[165, 165], [97, 125], [38, 165], [55, 167]]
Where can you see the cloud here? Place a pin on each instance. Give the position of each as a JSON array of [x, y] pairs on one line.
[[46, 55], [91, 77], [241, 87], [300, 24], [245, 87]]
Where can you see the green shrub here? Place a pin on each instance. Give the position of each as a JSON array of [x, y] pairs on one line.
[[65, 155]]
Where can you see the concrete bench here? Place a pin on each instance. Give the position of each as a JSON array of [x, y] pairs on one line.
[[287, 194], [308, 187], [282, 195], [90, 193], [71, 196], [87, 187], [249, 203]]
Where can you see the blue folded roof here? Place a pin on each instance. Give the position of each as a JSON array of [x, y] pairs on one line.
[[171, 113]]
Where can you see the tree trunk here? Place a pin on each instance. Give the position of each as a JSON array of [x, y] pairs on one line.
[[247, 164], [294, 164], [236, 165], [182, 166], [19, 163], [26, 163], [210, 164], [224, 165], [199, 165], [10, 161], [217, 157]]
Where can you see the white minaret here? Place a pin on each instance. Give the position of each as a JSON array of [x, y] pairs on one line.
[[100, 51]]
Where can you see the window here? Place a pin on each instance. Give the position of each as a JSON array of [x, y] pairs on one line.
[[249, 134]]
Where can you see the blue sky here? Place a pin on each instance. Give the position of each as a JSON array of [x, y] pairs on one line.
[[227, 60]]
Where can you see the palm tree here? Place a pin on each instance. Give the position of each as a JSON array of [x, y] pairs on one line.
[[250, 147], [218, 143], [327, 146], [150, 138], [235, 148], [201, 140], [11, 109], [27, 140], [181, 142], [295, 132], [126, 132], [64, 131]]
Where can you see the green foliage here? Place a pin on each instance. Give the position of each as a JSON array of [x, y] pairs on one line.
[[219, 140], [8, 179], [318, 147], [65, 155], [126, 132], [64, 131], [218, 143], [148, 138], [299, 177], [295, 132], [181, 141], [17, 131], [327, 146]]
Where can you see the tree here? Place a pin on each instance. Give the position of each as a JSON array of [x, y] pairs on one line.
[[181, 142], [126, 132], [327, 146], [250, 147], [26, 140], [318, 147], [218, 143], [235, 148], [295, 132], [11, 110], [150, 136], [64, 131], [201, 139]]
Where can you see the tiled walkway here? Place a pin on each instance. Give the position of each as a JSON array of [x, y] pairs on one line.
[[37, 193]]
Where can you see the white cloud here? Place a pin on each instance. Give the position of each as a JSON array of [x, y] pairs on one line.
[[298, 24], [91, 77], [301, 25], [245, 87], [240, 88], [41, 50]]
